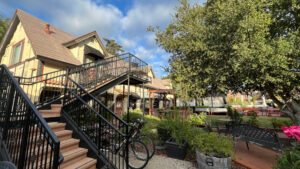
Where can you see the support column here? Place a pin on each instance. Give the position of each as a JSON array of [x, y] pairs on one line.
[[150, 105], [123, 100], [143, 101]]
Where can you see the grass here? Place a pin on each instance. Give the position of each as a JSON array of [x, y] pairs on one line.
[[263, 122]]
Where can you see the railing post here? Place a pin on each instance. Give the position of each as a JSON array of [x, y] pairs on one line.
[[66, 86], [56, 155], [10, 100], [24, 139], [128, 102]]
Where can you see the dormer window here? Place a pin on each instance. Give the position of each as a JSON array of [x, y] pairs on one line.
[[17, 52]]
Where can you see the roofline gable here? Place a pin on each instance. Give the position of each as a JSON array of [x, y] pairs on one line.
[[84, 37], [10, 32]]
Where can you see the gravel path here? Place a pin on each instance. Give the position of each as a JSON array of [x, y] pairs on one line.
[[162, 162]]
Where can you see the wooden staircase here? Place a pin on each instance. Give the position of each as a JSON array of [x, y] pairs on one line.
[[75, 157]]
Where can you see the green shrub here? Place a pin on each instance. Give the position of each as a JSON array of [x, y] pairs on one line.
[[200, 106], [253, 121], [133, 116], [164, 130], [151, 124], [234, 115], [211, 143], [180, 130], [197, 119], [291, 158], [278, 123]]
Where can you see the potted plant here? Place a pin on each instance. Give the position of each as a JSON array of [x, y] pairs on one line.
[[163, 132], [176, 146], [212, 150]]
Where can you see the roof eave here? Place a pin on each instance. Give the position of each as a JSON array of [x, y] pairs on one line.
[[58, 62], [84, 37], [9, 33]]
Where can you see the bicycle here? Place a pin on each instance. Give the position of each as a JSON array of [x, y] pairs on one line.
[[138, 154], [147, 140]]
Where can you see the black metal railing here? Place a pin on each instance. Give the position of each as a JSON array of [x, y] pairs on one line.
[[92, 74], [89, 116], [48, 88], [103, 128], [26, 138], [44, 89]]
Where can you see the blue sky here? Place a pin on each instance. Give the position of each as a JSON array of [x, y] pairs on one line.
[[123, 20]]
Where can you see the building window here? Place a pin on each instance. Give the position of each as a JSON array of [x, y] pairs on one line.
[[17, 52]]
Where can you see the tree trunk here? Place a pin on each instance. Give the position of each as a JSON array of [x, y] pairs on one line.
[[291, 108]]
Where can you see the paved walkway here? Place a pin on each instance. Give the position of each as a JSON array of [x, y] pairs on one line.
[[257, 157], [162, 162]]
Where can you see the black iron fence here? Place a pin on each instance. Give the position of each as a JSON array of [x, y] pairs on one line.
[[106, 131], [26, 138]]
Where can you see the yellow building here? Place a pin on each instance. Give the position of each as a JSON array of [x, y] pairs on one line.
[[33, 48]]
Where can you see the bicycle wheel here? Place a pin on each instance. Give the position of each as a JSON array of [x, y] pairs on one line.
[[138, 155], [147, 140]]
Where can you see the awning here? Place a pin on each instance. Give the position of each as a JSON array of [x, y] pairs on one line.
[[92, 52]]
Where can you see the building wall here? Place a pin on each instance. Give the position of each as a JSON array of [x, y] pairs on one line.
[[48, 67], [78, 49], [30, 67]]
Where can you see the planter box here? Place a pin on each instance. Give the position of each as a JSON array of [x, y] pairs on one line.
[[208, 162], [174, 150]]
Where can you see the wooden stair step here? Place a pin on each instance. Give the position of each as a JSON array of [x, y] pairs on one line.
[[56, 106], [73, 156], [84, 163], [69, 144], [50, 113], [55, 126], [64, 134], [65, 146]]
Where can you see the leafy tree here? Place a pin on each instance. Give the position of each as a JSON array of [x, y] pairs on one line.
[[113, 47], [237, 45], [4, 22]]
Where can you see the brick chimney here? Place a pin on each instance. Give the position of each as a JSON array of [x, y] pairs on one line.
[[47, 29]]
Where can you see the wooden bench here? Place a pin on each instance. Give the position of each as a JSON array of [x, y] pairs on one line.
[[259, 136]]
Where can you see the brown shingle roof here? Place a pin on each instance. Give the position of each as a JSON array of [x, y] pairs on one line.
[[43, 44], [156, 83]]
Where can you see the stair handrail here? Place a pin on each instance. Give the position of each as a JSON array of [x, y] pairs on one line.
[[98, 101], [99, 115], [92, 119], [58, 158]]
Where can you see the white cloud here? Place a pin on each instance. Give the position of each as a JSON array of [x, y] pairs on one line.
[[144, 14], [85, 16], [144, 54], [79, 17], [127, 43]]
